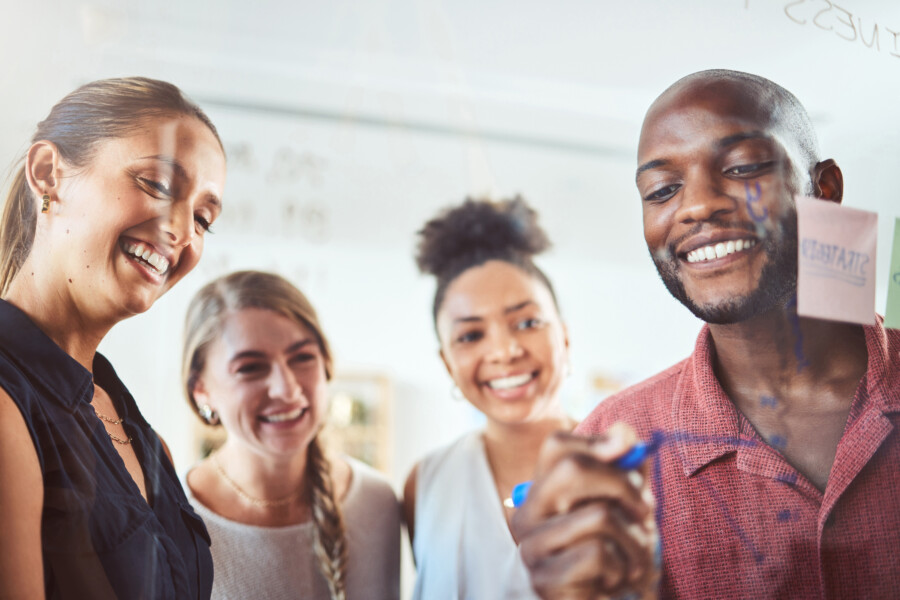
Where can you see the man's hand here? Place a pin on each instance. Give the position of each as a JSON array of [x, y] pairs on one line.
[[587, 529]]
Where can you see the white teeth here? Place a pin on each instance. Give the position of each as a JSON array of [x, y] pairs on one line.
[[505, 383], [157, 261], [285, 416], [719, 250]]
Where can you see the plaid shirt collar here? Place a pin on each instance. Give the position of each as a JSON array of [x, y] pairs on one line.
[[709, 426]]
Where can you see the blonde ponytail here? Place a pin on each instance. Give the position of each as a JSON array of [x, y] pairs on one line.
[[329, 542], [16, 229]]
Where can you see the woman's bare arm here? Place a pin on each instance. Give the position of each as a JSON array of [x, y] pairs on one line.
[[21, 505], [409, 503]]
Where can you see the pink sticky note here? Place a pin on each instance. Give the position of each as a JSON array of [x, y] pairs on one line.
[[836, 253]]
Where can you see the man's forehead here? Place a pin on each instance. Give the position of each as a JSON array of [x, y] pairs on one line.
[[683, 113], [730, 100]]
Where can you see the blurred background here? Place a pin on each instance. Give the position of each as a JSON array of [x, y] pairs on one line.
[[349, 123]]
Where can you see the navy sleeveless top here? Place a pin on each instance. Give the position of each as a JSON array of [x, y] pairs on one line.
[[100, 538]]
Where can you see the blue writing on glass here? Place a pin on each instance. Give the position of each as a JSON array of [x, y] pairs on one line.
[[788, 478], [778, 441], [785, 516], [794, 319], [658, 440], [732, 522], [752, 199]]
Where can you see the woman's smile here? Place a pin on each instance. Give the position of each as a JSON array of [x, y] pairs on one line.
[[285, 418]]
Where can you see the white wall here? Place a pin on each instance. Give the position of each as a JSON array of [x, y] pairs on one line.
[[351, 122], [381, 186]]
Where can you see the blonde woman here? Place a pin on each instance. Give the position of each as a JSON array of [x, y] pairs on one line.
[[285, 521], [106, 213]]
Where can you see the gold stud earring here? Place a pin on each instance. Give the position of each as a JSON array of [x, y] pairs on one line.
[[45, 203]]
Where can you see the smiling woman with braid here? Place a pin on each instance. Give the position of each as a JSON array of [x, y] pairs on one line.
[[285, 521]]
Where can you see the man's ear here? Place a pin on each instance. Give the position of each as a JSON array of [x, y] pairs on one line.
[[42, 166], [828, 181]]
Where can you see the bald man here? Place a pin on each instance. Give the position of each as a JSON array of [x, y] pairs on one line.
[[777, 464]]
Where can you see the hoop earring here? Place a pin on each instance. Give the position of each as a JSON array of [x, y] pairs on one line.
[[456, 393], [209, 416], [45, 203]]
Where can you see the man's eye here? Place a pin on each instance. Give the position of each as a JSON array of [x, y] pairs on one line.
[[750, 169], [663, 193]]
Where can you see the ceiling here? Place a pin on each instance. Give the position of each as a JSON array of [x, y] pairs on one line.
[[389, 109]]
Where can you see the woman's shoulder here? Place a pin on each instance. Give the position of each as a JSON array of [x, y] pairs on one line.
[[458, 453], [202, 487], [368, 483], [21, 387], [371, 508]]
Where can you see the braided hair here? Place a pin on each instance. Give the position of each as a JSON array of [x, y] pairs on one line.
[[255, 289], [329, 542]]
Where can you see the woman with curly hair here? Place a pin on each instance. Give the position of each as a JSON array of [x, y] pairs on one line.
[[506, 348]]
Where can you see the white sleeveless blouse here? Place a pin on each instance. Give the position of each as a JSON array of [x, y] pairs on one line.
[[463, 547]]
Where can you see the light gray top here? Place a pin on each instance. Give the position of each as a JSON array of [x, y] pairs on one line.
[[279, 562], [463, 547]]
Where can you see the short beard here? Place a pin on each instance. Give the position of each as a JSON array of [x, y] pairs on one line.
[[777, 282]]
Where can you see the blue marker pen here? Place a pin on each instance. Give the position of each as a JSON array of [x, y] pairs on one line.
[[632, 459]]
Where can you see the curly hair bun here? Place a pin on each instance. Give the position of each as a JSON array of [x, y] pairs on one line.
[[477, 231]]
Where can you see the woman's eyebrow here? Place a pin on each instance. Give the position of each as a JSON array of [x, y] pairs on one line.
[[519, 306], [176, 166]]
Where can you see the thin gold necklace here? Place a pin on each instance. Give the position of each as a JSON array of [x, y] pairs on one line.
[[114, 438], [240, 492], [109, 419]]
